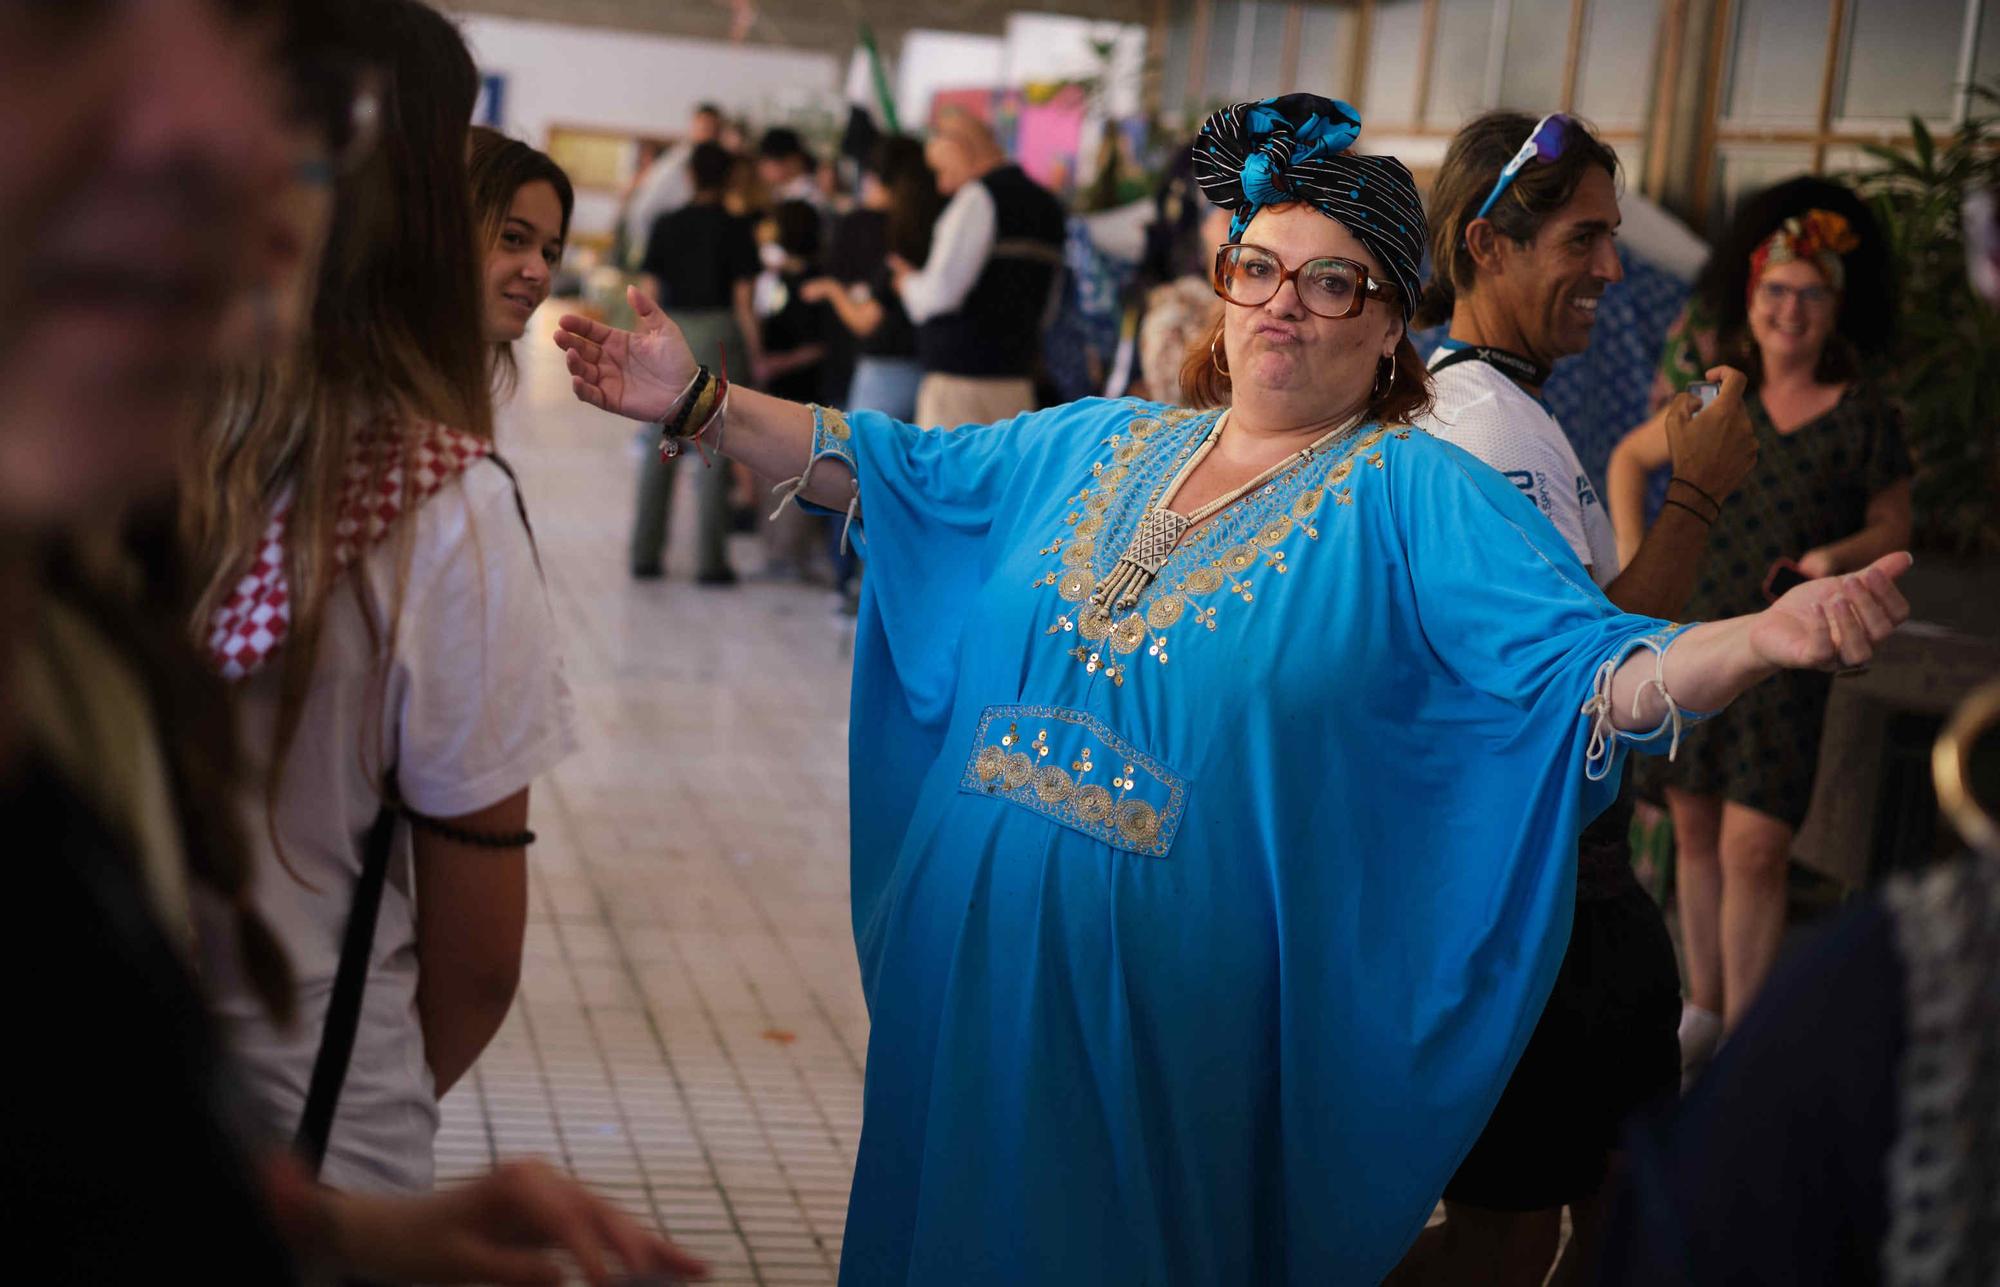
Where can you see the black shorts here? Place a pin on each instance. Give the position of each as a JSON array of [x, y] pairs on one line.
[[1607, 1043]]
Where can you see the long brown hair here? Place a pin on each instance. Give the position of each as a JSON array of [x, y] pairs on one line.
[[1471, 166], [1204, 384], [136, 600], [914, 200], [497, 167], [396, 343]]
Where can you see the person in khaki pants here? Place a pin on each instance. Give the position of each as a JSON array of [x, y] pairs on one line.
[[981, 298], [704, 259]]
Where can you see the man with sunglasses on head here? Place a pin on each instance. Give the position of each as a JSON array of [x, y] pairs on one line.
[[1524, 222]]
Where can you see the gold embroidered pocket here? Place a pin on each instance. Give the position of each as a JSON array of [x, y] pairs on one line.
[[1067, 766]]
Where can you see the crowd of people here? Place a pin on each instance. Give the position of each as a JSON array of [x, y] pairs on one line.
[[1243, 862], [920, 290]]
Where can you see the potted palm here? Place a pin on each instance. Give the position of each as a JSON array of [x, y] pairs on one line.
[[1947, 369]]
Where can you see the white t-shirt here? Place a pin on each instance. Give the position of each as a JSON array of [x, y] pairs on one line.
[[474, 709], [1477, 407]]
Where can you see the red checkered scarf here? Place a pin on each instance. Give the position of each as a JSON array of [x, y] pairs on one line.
[[257, 616]]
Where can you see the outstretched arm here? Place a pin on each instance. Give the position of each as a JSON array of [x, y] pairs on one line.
[[1828, 624], [640, 373]]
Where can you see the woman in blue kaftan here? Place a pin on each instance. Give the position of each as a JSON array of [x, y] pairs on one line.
[[1198, 943], [1215, 792]]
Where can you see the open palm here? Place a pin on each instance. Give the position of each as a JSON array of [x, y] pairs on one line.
[[1833, 622], [637, 373]]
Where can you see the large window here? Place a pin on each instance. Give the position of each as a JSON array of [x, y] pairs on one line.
[[1426, 65], [1798, 85], [1773, 88]]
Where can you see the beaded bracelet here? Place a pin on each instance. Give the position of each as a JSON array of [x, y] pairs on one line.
[[477, 839]]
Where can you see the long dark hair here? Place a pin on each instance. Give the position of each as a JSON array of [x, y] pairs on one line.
[[396, 345], [914, 200], [1174, 247], [1866, 327], [497, 167], [1471, 165]]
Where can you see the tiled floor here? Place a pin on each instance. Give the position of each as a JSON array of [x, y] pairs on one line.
[[690, 1032]]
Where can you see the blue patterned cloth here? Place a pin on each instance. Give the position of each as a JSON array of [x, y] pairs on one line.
[[1599, 395], [1294, 148], [1199, 935], [1078, 348]]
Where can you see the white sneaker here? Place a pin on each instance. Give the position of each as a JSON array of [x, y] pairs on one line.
[[1700, 1034]]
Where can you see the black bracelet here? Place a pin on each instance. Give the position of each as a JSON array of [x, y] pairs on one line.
[[1697, 491], [672, 428], [477, 839], [1706, 521]]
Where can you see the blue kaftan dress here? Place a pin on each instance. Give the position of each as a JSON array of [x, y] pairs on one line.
[[1198, 941]]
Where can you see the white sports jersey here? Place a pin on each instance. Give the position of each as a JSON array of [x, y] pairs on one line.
[[1478, 408]]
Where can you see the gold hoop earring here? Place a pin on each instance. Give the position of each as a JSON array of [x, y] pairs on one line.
[[1215, 356], [1383, 386]]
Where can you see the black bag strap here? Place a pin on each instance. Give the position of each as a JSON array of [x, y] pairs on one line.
[[357, 946], [350, 980], [521, 508]]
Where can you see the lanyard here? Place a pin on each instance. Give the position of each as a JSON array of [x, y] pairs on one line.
[[1523, 371]]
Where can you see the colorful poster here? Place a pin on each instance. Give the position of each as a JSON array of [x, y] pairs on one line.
[[1048, 136]]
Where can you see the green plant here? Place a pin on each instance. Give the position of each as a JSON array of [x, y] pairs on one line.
[[1947, 367]]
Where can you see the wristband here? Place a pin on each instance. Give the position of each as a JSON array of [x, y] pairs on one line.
[[1697, 491], [673, 428], [1706, 521]]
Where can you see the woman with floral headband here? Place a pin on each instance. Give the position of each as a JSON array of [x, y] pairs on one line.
[[1216, 775], [1830, 494]]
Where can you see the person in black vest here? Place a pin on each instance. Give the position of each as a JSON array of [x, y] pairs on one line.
[[982, 297]]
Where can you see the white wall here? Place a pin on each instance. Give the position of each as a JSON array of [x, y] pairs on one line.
[[933, 60], [1037, 47], [589, 76], [1043, 47]]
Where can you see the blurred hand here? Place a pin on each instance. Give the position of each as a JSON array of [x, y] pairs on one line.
[[1833, 623], [1716, 448], [1817, 563], [637, 373], [500, 1229], [819, 290], [899, 268]]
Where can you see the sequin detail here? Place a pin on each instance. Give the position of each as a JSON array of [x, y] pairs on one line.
[[1234, 552], [1069, 767]]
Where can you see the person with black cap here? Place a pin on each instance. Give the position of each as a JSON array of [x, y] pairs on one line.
[[1524, 219], [1216, 775]]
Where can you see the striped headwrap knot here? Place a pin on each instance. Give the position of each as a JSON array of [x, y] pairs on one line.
[[1294, 148]]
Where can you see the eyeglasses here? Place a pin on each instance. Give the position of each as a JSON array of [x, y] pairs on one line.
[[1329, 287], [1545, 143], [1777, 294], [338, 103]]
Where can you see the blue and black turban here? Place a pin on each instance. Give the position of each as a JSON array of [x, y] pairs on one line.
[[1294, 148]]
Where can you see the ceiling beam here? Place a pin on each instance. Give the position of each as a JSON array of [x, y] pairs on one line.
[[808, 24]]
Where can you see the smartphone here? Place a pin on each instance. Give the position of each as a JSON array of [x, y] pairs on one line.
[[1706, 391], [1784, 576]]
